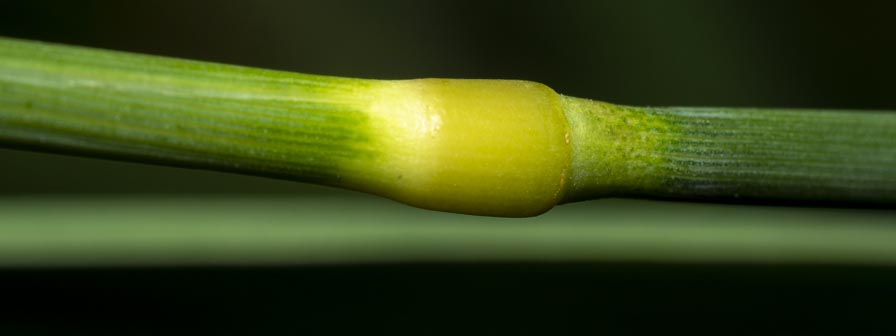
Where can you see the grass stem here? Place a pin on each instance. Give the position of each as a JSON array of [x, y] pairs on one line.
[[485, 147]]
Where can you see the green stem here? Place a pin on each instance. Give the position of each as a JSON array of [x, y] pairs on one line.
[[177, 112], [732, 154], [487, 147]]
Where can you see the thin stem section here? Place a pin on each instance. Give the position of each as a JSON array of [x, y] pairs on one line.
[[171, 111], [732, 154]]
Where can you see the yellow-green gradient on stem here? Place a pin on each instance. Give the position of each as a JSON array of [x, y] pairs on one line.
[[731, 154], [483, 147], [171, 111]]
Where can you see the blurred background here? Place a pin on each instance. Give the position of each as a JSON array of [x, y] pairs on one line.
[[687, 53]]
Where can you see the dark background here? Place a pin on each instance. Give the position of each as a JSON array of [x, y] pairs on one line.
[[693, 52]]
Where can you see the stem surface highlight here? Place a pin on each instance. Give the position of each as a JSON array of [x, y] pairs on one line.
[[486, 147]]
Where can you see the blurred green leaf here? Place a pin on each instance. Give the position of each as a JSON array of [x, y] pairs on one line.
[[344, 227]]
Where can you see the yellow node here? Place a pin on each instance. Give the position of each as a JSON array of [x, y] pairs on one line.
[[483, 147]]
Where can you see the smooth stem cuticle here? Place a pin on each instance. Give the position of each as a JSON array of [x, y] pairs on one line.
[[486, 147]]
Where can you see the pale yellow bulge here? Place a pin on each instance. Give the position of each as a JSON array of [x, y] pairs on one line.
[[486, 147]]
